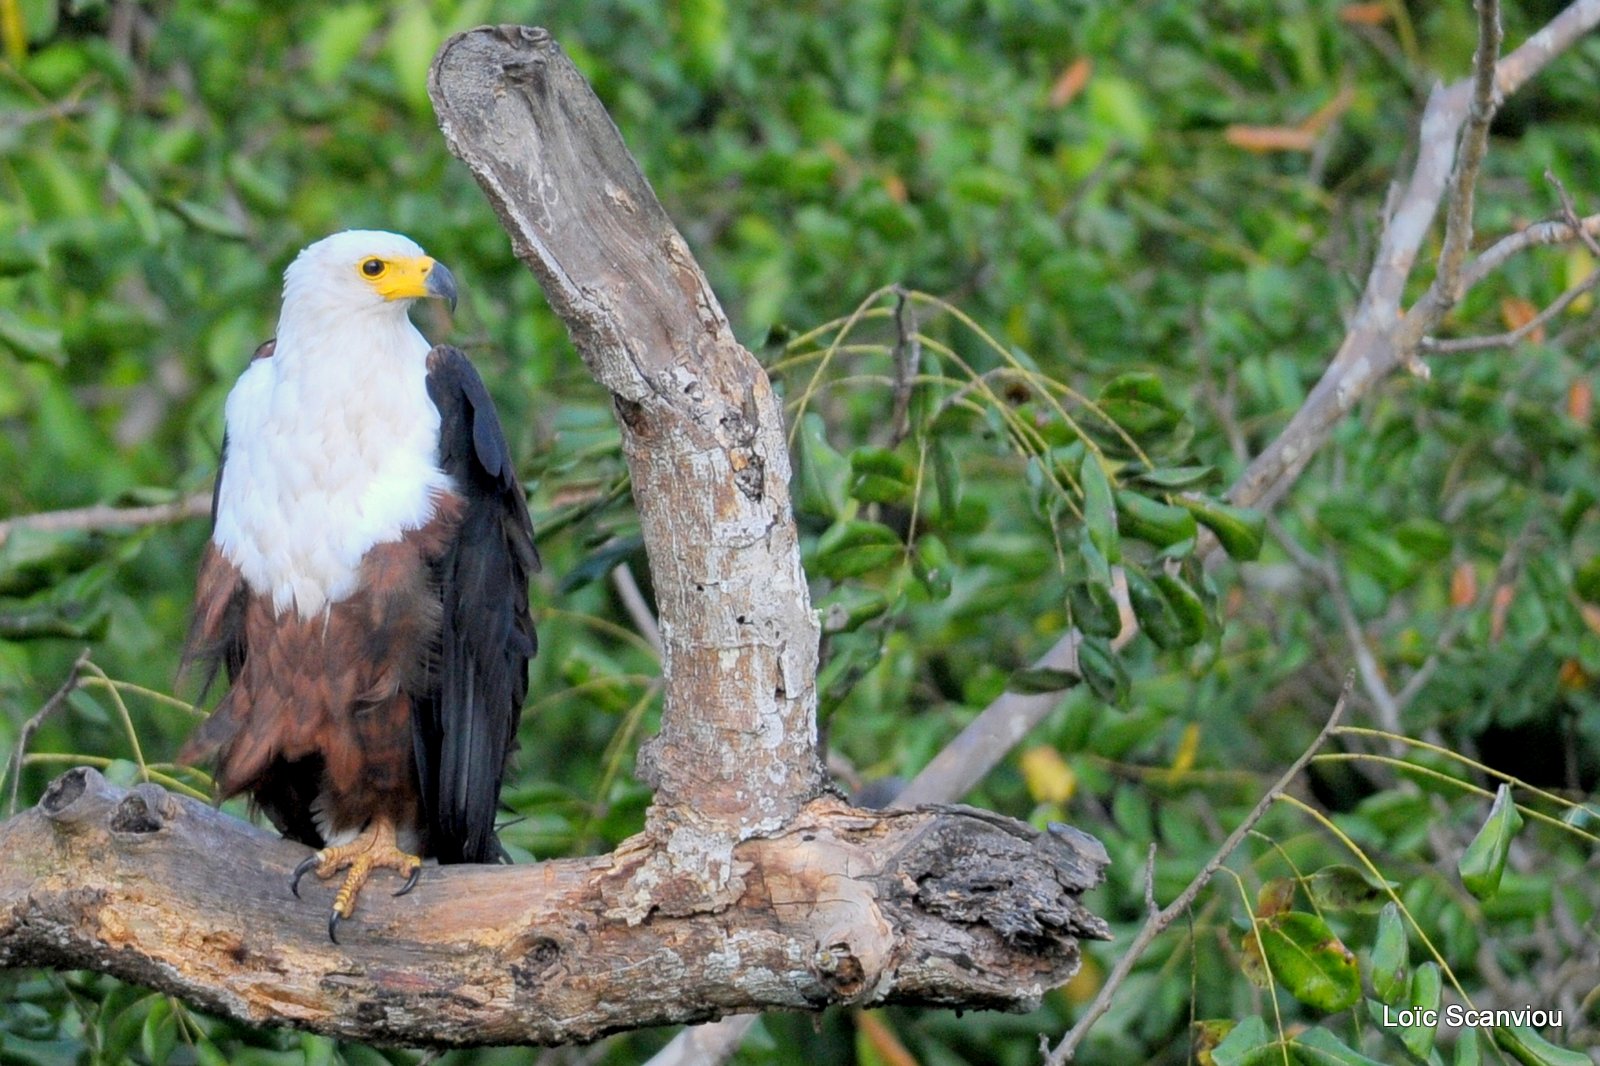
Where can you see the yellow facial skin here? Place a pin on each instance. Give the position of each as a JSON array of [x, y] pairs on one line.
[[410, 278]]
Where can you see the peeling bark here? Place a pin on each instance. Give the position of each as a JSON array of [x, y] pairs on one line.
[[941, 905]]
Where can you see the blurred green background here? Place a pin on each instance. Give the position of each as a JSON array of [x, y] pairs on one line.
[[1077, 188]]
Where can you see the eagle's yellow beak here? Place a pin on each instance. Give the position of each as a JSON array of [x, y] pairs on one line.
[[412, 279]]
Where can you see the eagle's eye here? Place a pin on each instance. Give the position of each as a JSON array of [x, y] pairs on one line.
[[373, 267]]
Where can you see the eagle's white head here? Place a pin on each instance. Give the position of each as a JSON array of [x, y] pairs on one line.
[[332, 437], [361, 273]]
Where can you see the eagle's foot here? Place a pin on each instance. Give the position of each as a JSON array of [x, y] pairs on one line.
[[375, 849]]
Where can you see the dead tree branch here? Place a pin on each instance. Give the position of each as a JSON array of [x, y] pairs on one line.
[[751, 886], [1158, 921], [841, 905], [102, 516], [1381, 338]]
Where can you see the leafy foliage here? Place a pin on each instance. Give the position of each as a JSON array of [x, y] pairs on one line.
[[1030, 295]]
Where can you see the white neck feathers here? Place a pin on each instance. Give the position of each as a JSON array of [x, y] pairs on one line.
[[332, 448]]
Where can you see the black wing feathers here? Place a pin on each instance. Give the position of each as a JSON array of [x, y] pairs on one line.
[[464, 727]]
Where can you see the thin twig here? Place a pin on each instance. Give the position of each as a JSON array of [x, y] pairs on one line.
[[1474, 146], [1515, 336], [102, 516], [907, 357], [56, 700], [1538, 235], [632, 597], [1065, 1050], [1569, 211]]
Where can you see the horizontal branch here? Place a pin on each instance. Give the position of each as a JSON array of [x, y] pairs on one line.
[[103, 516], [945, 906], [1516, 336], [1537, 235]]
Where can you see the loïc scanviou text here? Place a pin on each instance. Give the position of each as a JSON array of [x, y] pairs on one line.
[[1457, 1015]]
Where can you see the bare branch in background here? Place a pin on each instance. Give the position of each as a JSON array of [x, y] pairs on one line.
[[103, 517], [1156, 923]]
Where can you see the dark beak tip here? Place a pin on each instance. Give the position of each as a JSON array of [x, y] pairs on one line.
[[442, 283]]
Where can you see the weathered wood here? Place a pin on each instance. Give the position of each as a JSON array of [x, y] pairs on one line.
[[947, 906]]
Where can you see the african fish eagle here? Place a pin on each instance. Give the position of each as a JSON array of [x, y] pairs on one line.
[[365, 587]]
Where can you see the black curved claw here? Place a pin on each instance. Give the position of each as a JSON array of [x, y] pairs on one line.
[[334, 918], [411, 882], [307, 864]]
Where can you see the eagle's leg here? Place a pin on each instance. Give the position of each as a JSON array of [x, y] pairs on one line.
[[375, 849]]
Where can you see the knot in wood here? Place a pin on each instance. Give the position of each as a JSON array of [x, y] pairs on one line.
[[64, 791], [837, 967], [144, 810], [78, 799], [541, 954]]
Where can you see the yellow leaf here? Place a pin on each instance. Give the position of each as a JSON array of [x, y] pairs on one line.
[[1085, 984], [1580, 264], [1047, 775], [1188, 744], [1517, 312]]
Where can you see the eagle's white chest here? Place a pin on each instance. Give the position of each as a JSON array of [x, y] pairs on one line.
[[332, 448]]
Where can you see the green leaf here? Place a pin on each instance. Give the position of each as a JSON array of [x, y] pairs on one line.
[[1344, 888], [140, 207], [1240, 530], [1310, 961], [821, 472], [1099, 512], [849, 549], [946, 478], [1468, 1053], [1484, 861], [848, 607], [31, 341], [1156, 616], [1586, 582], [208, 220], [1390, 956], [1152, 521], [1249, 1043], [1186, 604], [1425, 538], [158, 1035], [20, 253], [413, 37], [879, 476], [1427, 989], [1318, 1047], [931, 564], [1102, 670], [1041, 680], [1173, 478], [1531, 1049], [1137, 401], [1094, 608], [338, 38]]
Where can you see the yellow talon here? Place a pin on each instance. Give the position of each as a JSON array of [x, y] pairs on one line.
[[376, 848]]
